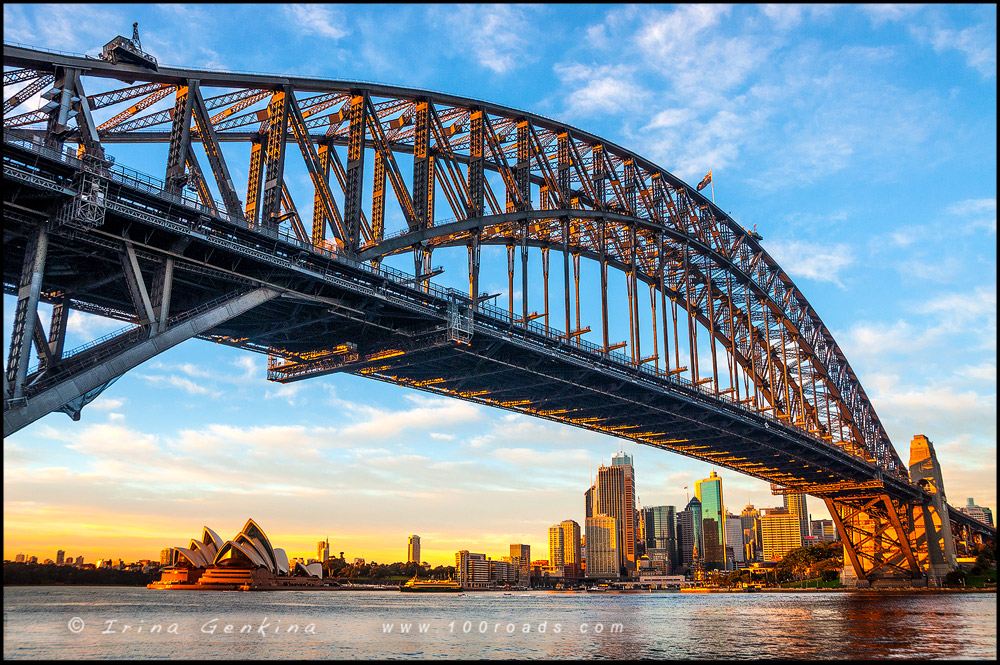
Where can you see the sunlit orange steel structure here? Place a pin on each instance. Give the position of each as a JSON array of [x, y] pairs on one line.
[[727, 361]]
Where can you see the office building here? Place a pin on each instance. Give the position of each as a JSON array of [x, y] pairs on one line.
[[413, 550], [689, 534], [823, 529], [590, 500], [796, 505], [503, 571], [472, 570], [709, 492], [615, 488], [603, 558], [79, 561], [781, 533], [520, 556], [984, 515], [60, 557], [323, 550], [556, 545], [660, 527], [571, 548], [734, 539], [19, 558], [750, 520]]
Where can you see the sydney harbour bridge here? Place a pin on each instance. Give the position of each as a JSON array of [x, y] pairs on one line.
[[726, 361]]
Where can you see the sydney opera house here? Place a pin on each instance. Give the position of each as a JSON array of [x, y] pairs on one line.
[[246, 562]]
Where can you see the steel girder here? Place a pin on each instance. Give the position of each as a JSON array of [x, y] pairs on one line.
[[564, 190]]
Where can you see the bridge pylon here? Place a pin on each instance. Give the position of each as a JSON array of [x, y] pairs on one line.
[[890, 542], [931, 525]]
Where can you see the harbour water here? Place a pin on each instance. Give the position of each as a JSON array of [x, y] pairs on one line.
[[114, 622]]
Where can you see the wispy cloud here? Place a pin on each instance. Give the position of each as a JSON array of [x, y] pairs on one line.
[[817, 261], [320, 20]]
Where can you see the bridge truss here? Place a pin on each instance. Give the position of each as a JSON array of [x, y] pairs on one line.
[[726, 360]]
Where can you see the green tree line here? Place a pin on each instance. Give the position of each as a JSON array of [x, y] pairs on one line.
[[15, 574]]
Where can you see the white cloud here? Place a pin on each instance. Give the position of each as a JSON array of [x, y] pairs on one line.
[[497, 36], [822, 262], [976, 214], [977, 43], [320, 20]]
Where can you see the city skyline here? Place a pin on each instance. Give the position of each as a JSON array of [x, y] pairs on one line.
[[824, 128]]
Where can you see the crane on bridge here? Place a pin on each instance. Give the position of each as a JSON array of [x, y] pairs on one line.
[[121, 49]]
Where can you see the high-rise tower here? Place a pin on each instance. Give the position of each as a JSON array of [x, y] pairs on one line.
[[615, 489], [413, 550], [709, 492], [796, 505]]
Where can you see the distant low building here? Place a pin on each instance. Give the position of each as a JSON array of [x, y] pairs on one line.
[[984, 515]]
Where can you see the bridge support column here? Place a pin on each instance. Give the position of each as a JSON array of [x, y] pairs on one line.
[[26, 314], [930, 522], [877, 550]]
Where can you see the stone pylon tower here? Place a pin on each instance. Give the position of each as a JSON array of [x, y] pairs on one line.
[[933, 543]]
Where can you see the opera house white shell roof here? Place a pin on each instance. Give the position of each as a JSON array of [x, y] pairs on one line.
[[249, 549]]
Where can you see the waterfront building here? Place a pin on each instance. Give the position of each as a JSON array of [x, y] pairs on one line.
[[796, 505], [823, 530], [556, 545], [520, 556], [689, 533], [472, 570], [709, 492], [246, 561], [660, 559], [603, 558], [60, 557], [781, 533], [734, 539], [616, 498], [984, 515], [571, 547], [503, 571], [413, 550]]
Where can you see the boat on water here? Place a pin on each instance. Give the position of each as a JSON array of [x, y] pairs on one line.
[[431, 586]]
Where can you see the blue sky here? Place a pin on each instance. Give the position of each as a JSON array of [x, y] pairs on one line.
[[860, 140]]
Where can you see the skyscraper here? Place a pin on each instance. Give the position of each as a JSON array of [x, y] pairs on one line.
[[603, 559], [323, 550], [796, 505], [734, 538], [60, 556], [689, 535], [520, 556], [781, 533], [709, 492], [616, 498], [556, 535], [750, 520], [413, 550], [589, 499], [571, 548], [661, 527]]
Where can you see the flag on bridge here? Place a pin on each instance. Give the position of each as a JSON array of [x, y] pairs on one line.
[[705, 181]]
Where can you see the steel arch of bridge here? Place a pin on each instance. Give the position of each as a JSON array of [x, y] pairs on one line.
[[509, 178]]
